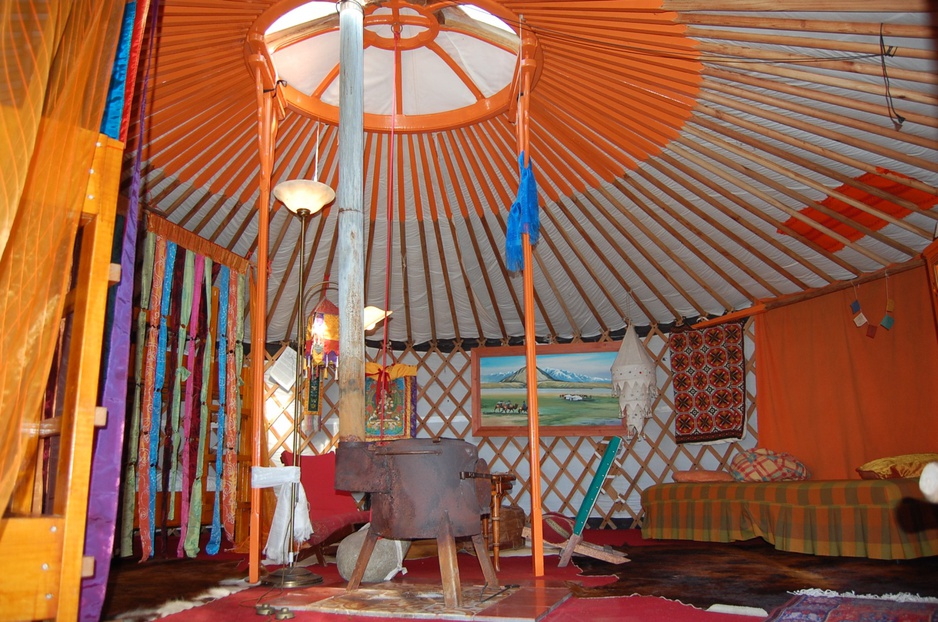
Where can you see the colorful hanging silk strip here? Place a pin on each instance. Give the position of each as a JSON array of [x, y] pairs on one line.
[[167, 431], [185, 312], [708, 368], [160, 379], [144, 517], [195, 503], [108, 447], [130, 460], [214, 541], [232, 416], [188, 406], [114, 108]]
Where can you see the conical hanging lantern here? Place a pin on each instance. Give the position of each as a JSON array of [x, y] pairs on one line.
[[633, 382]]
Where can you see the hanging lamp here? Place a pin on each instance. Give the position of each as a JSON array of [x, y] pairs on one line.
[[633, 382]]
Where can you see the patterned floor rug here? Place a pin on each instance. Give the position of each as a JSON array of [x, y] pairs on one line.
[[806, 608]]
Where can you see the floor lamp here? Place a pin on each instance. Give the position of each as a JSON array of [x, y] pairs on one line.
[[304, 198]]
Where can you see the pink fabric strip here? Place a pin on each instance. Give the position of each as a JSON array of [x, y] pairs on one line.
[[187, 412], [230, 439], [146, 408]]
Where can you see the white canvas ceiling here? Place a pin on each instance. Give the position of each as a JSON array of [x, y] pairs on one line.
[[671, 142]]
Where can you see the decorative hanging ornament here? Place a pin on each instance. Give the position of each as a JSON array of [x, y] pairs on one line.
[[634, 382], [859, 318]]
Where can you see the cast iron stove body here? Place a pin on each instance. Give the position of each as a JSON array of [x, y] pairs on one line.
[[420, 488]]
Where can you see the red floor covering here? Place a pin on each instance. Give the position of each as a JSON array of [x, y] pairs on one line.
[[514, 570]]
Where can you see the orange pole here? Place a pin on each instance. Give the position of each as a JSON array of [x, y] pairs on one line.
[[534, 436], [266, 131]]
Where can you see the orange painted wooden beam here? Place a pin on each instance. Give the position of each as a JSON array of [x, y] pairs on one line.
[[266, 131]]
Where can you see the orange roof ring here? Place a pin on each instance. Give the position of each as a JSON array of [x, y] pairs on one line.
[[428, 66]]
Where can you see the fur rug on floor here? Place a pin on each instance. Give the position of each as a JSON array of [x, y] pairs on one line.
[[751, 574], [136, 591], [146, 614]]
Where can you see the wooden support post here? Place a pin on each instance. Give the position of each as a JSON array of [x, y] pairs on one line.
[[266, 135], [349, 200], [526, 61]]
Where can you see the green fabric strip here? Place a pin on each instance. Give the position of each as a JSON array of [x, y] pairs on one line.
[[185, 312], [195, 504], [130, 461]]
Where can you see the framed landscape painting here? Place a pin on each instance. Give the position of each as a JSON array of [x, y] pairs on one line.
[[574, 391]]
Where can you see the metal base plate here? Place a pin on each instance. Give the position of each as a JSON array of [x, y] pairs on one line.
[[291, 577]]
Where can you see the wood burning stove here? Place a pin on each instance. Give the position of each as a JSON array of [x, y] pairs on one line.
[[420, 488]]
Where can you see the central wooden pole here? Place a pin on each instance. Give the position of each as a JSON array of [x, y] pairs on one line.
[[349, 200], [534, 436]]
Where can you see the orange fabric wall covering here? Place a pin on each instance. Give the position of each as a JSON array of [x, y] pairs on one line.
[[835, 398]]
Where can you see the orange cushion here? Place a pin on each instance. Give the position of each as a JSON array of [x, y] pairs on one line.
[[908, 465], [702, 476]]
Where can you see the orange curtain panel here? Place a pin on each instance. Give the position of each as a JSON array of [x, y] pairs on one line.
[[835, 396], [53, 85]]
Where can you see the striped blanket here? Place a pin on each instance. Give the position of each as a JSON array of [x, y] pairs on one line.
[[879, 519]]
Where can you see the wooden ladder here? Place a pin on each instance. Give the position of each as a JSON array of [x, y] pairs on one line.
[[42, 552]]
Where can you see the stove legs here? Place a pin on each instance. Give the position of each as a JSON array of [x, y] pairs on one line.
[[449, 567], [368, 546]]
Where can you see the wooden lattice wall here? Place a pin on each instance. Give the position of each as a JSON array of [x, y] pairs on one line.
[[444, 408]]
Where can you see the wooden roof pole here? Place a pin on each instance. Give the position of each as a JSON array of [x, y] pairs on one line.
[[761, 306], [266, 132], [534, 438]]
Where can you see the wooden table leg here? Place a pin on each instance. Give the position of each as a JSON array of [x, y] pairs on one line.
[[495, 517]]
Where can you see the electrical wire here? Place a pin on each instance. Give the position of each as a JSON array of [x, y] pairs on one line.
[[894, 116]]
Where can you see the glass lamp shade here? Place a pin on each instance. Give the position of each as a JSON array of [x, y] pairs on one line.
[[304, 195], [373, 315]]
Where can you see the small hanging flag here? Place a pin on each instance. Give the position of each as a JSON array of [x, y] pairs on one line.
[[522, 218], [887, 322], [860, 319], [871, 331], [890, 305], [855, 306]]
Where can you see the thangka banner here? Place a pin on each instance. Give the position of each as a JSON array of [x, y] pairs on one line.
[[708, 368], [390, 402]]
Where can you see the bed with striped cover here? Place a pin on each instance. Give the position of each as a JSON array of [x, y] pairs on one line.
[[879, 519]]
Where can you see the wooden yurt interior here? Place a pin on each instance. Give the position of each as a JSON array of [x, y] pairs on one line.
[[692, 230]]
